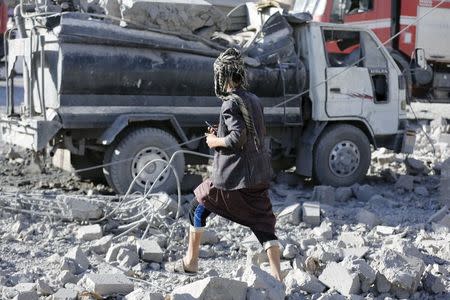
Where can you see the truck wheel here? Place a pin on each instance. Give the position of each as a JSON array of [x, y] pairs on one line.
[[130, 154], [341, 156]]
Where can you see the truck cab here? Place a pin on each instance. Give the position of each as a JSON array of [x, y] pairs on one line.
[[330, 93]]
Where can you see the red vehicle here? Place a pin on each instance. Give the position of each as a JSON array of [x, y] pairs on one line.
[[386, 18]]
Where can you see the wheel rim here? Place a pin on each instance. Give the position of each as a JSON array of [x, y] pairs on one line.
[[344, 159], [151, 172]]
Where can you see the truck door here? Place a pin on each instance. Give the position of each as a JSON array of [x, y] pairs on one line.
[[359, 83], [348, 82]]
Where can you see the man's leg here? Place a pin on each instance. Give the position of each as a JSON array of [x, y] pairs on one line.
[[197, 217], [270, 243], [273, 252]]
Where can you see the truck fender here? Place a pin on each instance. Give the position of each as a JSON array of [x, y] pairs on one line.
[[306, 143], [123, 121]]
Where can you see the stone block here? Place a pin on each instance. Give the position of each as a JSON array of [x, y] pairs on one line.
[[382, 284], [384, 230], [298, 280], [343, 194], [89, 232], [259, 279], [439, 215], [352, 239], [367, 217], [209, 237], [366, 274], [311, 213], [337, 276], [127, 258], [290, 251], [111, 255], [67, 277], [43, 288], [108, 284], [211, 288], [365, 192], [79, 208], [102, 245], [324, 231], [65, 294], [79, 259], [358, 252], [182, 16], [414, 166], [25, 291], [324, 194], [290, 215], [403, 272], [141, 294], [149, 250]]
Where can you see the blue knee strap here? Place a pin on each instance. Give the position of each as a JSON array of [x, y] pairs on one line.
[[198, 216]]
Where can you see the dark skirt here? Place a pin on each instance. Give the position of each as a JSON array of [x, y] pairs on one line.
[[248, 206]]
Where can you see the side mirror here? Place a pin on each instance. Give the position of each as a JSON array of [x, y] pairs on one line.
[[421, 61]]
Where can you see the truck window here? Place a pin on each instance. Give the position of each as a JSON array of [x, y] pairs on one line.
[[342, 47], [376, 62]]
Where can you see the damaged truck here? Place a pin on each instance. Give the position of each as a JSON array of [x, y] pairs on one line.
[[124, 96]]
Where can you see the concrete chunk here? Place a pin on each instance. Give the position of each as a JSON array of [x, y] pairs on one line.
[[102, 245], [90, 232], [109, 284], [401, 271], [311, 213], [65, 294], [211, 288], [259, 279], [365, 272], [343, 194], [369, 218], [298, 280], [209, 237], [365, 192], [337, 276], [324, 194], [351, 239], [184, 16], [111, 255], [79, 258], [290, 215], [141, 294], [25, 291], [79, 208], [149, 250]]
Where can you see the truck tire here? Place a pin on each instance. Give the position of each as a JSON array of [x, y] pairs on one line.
[[133, 151], [341, 156]]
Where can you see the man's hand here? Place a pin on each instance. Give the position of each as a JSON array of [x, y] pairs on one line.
[[214, 141]]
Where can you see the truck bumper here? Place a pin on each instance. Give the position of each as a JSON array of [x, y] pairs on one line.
[[32, 134]]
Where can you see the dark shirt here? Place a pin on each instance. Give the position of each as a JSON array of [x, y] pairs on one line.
[[239, 165]]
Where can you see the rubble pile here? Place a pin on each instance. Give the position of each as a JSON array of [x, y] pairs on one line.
[[181, 16], [388, 237]]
